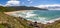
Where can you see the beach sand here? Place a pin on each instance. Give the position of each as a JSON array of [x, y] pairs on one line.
[[8, 13]]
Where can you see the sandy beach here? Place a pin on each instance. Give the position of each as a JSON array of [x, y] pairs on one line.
[[8, 13]]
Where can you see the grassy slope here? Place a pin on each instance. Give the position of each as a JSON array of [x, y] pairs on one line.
[[54, 25], [13, 22]]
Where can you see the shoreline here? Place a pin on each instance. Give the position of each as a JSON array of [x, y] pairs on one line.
[[15, 12], [46, 22]]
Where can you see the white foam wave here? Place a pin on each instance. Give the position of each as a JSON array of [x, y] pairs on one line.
[[26, 14], [50, 21], [43, 21], [53, 20], [39, 19], [29, 15]]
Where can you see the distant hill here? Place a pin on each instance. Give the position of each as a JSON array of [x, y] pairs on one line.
[[25, 8], [16, 8]]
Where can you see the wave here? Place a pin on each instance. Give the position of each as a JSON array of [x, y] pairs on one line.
[[43, 21], [29, 15], [24, 14]]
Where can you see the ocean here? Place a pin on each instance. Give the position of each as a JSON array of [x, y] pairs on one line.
[[42, 16]]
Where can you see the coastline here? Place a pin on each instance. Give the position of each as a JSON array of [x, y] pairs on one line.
[[15, 12], [50, 21]]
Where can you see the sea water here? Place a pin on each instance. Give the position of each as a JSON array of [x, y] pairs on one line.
[[43, 16]]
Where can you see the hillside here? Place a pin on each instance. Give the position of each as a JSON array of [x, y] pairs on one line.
[[7, 21], [16, 8], [25, 8]]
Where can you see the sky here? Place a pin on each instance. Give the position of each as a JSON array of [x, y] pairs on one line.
[[28, 2]]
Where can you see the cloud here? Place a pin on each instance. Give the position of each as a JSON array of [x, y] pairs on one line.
[[13, 0], [13, 3], [46, 6], [28, 0]]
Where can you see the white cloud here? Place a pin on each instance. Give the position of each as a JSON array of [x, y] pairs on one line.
[[13, 3], [13, 0], [46, 6], [28, 0]]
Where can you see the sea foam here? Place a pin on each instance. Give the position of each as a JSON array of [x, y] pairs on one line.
[[29, 15]]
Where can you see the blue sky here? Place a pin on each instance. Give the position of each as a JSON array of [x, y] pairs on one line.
[[33, 2]]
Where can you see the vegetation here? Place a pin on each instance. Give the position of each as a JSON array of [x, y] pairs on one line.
[[16, 8], [1, 26], [5, 9], [54, 25], [7, 21], [12, 22]]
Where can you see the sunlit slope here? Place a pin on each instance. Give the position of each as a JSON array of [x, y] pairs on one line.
[[54, 25], [12, 22]]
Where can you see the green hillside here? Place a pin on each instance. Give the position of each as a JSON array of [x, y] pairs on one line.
[[7, 21], [16, 8]]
